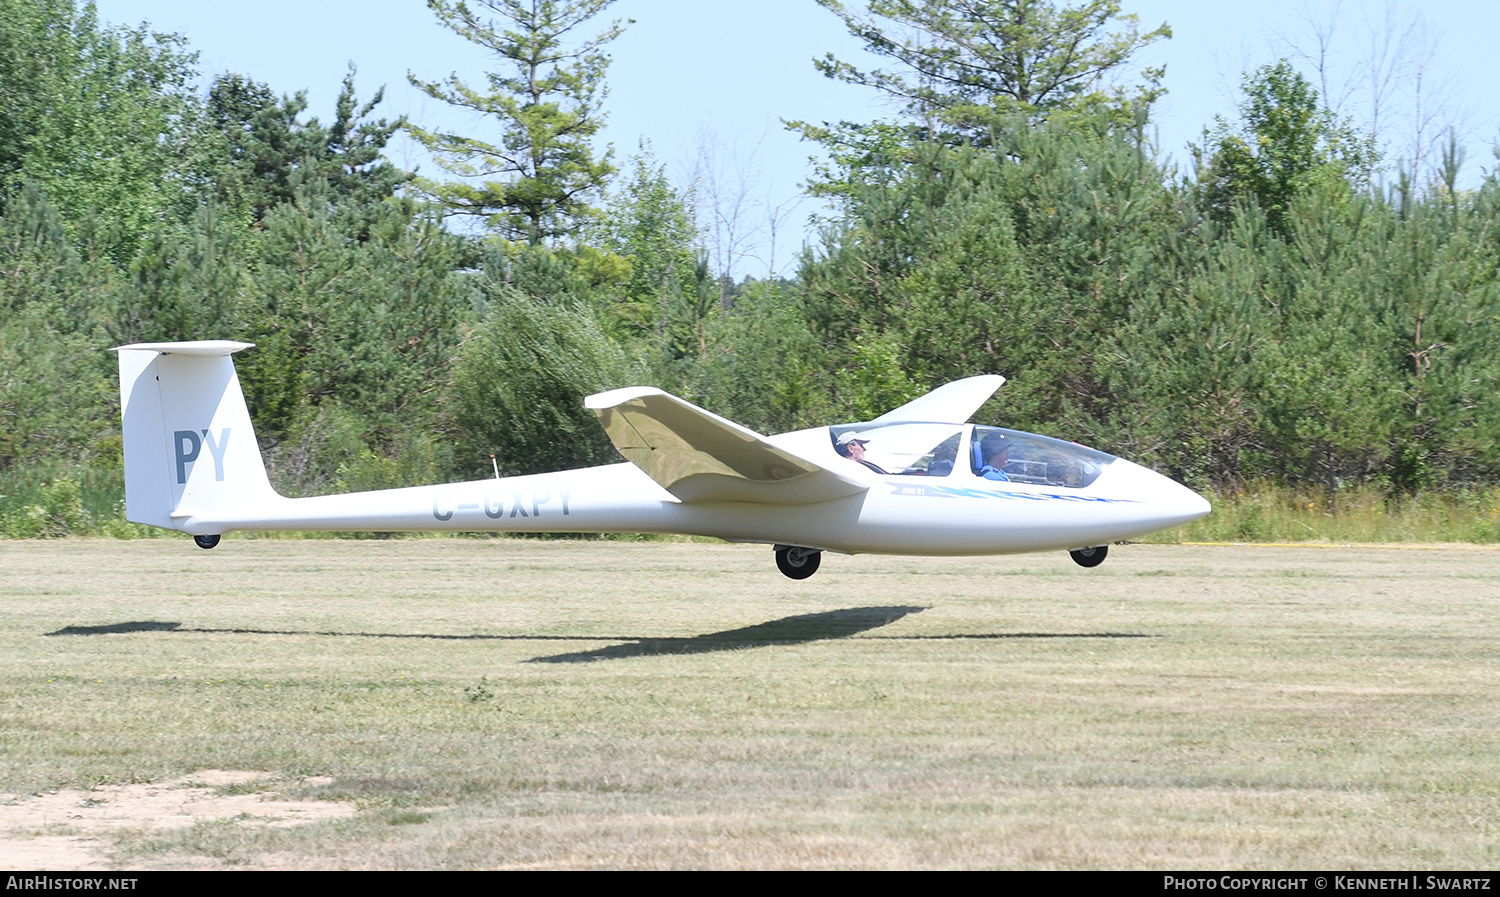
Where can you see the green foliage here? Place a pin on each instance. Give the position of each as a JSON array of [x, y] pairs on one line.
[[520, 380], [356, 313], [974, 65], [541, 272], [412, 458], [1017, 261], [51, 500], [1347, 352], [1340, 342], [186, 281], [547, 106], [57, 389], [1275, 321], [858, 156], [873, 381], [366, 320], [1285, 145], [650, 225], [125, 219], [267, 148], [59, 512], [98, 117], [1271, 511], [330, 448], [764, 367]]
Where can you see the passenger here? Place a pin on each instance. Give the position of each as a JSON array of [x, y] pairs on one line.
[[852, 446], [995, 450]]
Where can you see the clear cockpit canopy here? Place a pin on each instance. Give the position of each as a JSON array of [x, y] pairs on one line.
[[921, 449], [1040, 460]]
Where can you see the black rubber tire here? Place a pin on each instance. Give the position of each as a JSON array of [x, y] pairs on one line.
[[1089, 557], [206, 542], [801, 565]]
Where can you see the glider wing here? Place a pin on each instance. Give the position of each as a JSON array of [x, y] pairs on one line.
[[951, 403], [700, 457]]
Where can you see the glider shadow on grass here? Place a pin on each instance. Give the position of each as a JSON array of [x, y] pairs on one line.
[[786, 631], [795, 630]]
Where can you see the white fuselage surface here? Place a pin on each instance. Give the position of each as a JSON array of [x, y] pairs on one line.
[[960, 514], [901, 484]]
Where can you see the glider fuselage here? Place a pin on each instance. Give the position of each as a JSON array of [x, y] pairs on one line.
[[961, 514], [904, 483]]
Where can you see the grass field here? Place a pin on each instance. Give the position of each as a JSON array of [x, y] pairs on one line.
[[517, 703]]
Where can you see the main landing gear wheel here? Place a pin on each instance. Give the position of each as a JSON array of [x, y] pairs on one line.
[[1089, 557], [798, 563], [206, 542]]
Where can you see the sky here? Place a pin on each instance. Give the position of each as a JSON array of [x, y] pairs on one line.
[[713, 79]]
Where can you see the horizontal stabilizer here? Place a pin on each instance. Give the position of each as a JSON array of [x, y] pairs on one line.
[[951, 403], [204, 348], [699, 456]]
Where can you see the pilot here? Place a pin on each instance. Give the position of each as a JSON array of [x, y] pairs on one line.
[[852, 446], [995, 450]]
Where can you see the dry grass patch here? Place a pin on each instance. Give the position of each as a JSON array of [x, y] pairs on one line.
[[586, 704]]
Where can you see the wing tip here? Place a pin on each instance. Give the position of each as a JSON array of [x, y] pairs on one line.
[[614, 397], [954, 402]]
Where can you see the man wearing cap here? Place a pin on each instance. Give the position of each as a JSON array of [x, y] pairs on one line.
[[995, 450], [852, 446]]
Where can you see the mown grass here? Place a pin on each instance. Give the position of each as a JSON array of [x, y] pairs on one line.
[[515, 703]]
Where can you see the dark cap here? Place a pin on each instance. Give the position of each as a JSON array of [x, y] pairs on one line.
[[993, 444]]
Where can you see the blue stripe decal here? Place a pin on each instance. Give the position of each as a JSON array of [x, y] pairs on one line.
[[962, 492]]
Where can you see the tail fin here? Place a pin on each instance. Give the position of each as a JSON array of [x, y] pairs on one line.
[[189, 445]]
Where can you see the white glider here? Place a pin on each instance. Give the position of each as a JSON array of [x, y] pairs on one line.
[[914, 481]]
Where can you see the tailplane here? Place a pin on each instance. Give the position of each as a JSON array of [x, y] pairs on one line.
[[189, 445]]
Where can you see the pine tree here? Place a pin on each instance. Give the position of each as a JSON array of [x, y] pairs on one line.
[[547, 105], [972, 64], [265, 146]]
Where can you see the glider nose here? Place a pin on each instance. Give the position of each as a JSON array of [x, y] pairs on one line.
[[1171, 503], [1190, 505]]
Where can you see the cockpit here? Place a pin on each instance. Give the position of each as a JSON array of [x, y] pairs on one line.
[[993, 453]]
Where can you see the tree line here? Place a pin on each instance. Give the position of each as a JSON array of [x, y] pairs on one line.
[[1293, 308]]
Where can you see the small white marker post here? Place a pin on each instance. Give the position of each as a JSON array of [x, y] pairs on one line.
[[495, 464]]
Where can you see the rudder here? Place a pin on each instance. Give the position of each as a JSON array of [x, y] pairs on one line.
[[189, 445]]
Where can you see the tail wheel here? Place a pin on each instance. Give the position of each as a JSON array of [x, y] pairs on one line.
[[206, 542], [1089, 557], [798, 563]]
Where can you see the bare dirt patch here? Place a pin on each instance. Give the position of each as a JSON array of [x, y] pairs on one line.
[[73, 829]]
